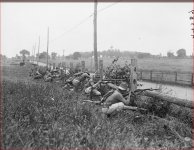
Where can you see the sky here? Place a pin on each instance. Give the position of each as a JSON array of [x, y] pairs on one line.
[[155, 28]]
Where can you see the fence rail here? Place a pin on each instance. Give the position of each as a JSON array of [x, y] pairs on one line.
[[172, 77]]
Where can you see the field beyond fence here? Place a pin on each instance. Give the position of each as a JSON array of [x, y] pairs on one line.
[[167, 64], [171, 77]]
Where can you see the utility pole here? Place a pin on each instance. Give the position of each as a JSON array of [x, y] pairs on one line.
[[95, 36], [92, 62], [38, 49], [63, 54], [47, 47], [34, 49], [32, 53]]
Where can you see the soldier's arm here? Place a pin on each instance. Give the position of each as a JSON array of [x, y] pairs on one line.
[[77, 74], [95, 85], [122, 99], [86, 75], [113, 86]]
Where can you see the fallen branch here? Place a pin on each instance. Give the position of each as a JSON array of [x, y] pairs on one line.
[[177, 101]]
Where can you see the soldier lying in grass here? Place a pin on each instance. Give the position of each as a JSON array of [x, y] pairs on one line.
[[48, 77], [92, 88], [35, 73], [114, 101], [77, 80]]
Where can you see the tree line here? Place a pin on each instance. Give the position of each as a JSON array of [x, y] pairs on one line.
[[24, 54]]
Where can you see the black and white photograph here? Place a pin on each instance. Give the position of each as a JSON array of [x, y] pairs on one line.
[[97, 75]]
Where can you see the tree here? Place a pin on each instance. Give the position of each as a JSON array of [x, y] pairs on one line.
[[53, 55], [170, 54], [43, 55], [76, 55], [143, 55], [3, 57], [24, 53], [181, 53]]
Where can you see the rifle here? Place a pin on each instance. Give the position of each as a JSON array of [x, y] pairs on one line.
[[142, 110], [95, 102], [138, 91]]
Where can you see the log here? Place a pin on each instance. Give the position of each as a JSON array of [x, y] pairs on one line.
[[163, 108], [174, 100]]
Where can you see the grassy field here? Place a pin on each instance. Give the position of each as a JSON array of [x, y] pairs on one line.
[[39, 115], [147, 64]]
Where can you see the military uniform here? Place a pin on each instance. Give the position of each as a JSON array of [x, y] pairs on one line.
[[115, 100]]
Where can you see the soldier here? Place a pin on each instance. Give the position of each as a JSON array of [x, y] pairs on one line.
[[92, 88], [37, 74], [69, 85], [114, 101], [79, 78], [48, 77]]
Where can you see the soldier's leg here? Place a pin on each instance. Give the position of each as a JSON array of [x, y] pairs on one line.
[[142, 110], [113, 108], [96, 92]]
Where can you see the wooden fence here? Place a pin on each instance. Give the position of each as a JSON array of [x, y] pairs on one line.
[[181, 78]]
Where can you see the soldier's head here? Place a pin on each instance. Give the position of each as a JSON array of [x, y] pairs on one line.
[[123, 87], [88, 73]]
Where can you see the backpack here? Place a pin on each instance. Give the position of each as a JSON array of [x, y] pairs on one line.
[[107, 95]]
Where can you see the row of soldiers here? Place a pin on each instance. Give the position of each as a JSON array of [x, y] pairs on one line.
[[111, 97], [49, 74]]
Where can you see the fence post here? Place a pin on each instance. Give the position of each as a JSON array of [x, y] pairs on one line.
[[71, 66], [59, 65], [133, 76], [151, 75], [192, 79], [63, 65], [53, 65], [162, 76], [176, 77], [101, 68], [64, 68], [83, 66]]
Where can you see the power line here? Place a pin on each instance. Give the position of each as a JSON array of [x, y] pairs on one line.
[[100, 10], [83, 21], [74, 27]]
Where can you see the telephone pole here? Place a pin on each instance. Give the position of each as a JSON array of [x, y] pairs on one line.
[[47, 47], [32, 53], [34, 49], [63, 54], [95, 36], [38, 49]]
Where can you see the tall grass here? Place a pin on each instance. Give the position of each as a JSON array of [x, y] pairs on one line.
[[44, 116]]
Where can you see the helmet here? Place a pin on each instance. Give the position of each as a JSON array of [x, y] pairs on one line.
[[123, 86]]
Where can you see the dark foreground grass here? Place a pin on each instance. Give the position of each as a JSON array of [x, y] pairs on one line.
[[44, 116], [39, 115]]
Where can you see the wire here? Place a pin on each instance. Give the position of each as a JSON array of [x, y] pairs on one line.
[[74, 27], [100, 10], [83, 21]]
